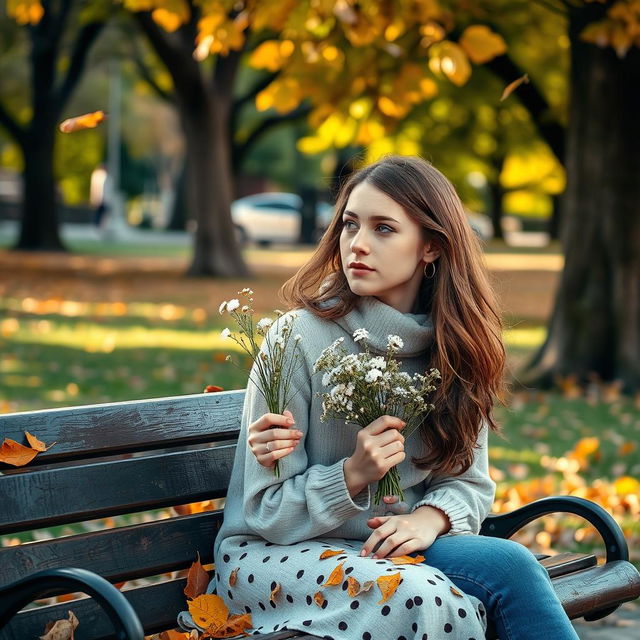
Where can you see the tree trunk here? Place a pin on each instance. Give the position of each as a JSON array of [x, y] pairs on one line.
[[39, 228], [595, 325], [216, 251]]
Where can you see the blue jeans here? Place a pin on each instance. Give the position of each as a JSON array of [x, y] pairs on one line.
[[514, 588]]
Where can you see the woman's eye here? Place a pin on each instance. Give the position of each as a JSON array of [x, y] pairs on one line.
[[384, 228], [349, 224]]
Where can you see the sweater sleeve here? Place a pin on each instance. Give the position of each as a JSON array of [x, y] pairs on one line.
[[304, 501], [465, 499]]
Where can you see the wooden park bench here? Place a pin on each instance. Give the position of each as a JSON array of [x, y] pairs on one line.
[[129, 457]]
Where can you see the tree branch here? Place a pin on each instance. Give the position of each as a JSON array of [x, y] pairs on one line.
[[12, 126], [239, 151], [147, 76], [81, 47]]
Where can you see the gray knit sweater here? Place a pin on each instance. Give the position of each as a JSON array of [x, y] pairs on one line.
[[310, 498]]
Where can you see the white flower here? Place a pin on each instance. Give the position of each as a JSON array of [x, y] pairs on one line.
[[222, 307], [247, 292], [372, 375], [326, 379], [246, 308], [394, 342], [280, 342], [297, 337], [225, 333], [232, 305], [360, 334], [264, 324], [377, 363]]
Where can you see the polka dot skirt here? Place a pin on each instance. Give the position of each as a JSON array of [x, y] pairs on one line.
[[423, 607]]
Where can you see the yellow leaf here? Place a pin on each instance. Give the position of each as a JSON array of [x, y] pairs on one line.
[[25, 11], [172, 634], [353, 587], [449, 59], [272, 54], [336, 576], [233, 577], [456, 592], [283, 94], [319, 599], [208, 610], [388, 585], [512, 86], [626, 485], [407, 559], [234, 626], [329, 554], [274, 592], [482, 44], [626, 448]]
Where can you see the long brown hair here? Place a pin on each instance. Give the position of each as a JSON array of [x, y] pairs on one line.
[[467, 347]]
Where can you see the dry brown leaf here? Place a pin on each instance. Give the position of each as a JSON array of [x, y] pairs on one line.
[[61, 629], [329, 554], [36, 444], [212, 388], [86, 121], [233, 577], [388, 585], [194, 635], [197, 580], [456, 592], [16, 454], [232, 627], [319, 599], [274, 592], [512, 86], [407, 560], [354, 589], [336, 577], [208, 610]]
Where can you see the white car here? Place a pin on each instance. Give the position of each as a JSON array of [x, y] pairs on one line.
[[274, 217]]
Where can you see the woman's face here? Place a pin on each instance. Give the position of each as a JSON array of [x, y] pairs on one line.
[[389, 247]]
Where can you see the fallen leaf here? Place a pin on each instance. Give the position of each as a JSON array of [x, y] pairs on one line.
[[319, 599], [212, 388], [36, 444], [511, 87], [407, 560], [336, 577], [197, 580], [329, 554], [16, 454], [61, 629], [233, 577], [354, 589], [208, 610], [274, 592], [388, 585], [232, 627], [194, 635], [86, 121], [456, 592]]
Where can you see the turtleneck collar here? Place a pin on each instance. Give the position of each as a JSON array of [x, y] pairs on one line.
[[381, 320]]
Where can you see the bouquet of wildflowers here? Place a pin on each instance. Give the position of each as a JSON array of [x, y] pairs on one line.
[[364, 387], [275, 366]]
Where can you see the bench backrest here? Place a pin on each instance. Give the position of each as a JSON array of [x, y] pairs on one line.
[[114, 459]]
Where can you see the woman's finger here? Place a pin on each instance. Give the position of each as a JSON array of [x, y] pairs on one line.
[[382, 531], [277, 445], [392, 542], [269, 420], [280, 434], [408, 547]]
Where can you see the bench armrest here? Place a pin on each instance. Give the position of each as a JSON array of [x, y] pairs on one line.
[[49, 582], [506, 524]]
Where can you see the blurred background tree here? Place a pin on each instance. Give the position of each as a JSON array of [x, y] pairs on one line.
[[397, 76]]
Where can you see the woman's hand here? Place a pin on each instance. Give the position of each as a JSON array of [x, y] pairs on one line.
[[379, 447], [404, 534], [268, 444]]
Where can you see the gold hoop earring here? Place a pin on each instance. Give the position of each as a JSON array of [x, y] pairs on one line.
[[433, 272]]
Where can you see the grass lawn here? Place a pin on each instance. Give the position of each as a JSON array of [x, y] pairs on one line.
[[123, 323]]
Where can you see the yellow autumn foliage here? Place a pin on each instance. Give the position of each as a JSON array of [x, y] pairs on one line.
[[481, 44], [25, 11]]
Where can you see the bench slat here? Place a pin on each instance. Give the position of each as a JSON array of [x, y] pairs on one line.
[[80, 432], [126, 553], [597, 588], [563, 563], [85, 492], [157, 606]]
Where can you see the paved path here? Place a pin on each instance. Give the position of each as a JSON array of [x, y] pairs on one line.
[[623, 624]]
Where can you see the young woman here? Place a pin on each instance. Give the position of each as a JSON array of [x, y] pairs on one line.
[[398, 258]]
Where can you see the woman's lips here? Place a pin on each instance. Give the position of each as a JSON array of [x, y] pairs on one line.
[[359, 271]]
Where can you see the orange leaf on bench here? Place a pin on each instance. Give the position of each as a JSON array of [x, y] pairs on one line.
[[16, 454], [197, 580]]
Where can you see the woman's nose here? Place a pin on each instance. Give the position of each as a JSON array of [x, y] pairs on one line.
[[359, 244]]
